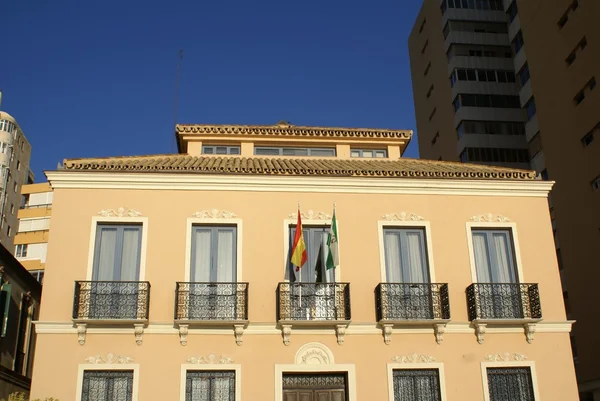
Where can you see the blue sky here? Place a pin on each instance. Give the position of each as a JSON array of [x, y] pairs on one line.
[[89, 80]]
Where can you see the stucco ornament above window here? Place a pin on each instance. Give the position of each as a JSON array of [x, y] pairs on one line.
[[211, 359], [214, 214], [402, 216], [314, 354], [489, 218], [109, 358], [414, 358], [311, 215], [505, 357], [119, 212]]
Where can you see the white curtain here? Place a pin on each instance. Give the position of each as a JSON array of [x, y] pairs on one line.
[[225, 256], [480, 250], [105, 266], [392, 256], [503, 263], [200, 390], [130, 255], [203, 390], [201, 255], [414, 270]]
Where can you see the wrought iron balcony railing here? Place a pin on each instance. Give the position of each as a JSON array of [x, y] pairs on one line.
[[408, 301], [503, 301], [111, 300], [211, 301], [313, 301]]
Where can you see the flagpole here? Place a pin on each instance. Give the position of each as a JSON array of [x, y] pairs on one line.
[[299, 268], [335, 308]]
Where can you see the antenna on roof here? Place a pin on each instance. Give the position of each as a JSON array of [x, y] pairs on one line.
[[176, 100]]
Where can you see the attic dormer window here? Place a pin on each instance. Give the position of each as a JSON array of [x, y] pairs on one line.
[[284, 151]]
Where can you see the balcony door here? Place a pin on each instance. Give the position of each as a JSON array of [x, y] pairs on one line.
[[406, 264], [114, 291], [495, 264], [316, 301], [213, 272]]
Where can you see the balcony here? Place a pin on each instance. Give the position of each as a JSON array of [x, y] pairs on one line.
[[313, 305], [412, 304], [504, 304], [212, 304], [111, 303]]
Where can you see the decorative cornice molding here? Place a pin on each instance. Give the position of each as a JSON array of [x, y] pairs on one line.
[[214, 214], [505, 357], [311, 215], [211, 359], [414, 358], [119, 212], [402, 216], [489, 218], [314, 354], [109, 358]]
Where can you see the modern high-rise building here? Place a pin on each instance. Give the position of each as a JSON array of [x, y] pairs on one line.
[[169, 277], [31, 241], [15, 152], [513, 83]]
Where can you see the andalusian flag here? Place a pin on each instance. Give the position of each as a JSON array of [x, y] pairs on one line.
[[299, 255], [332, 244]]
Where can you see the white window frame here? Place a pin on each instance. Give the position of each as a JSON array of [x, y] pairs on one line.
[[424, 225], [306, 223], [113, 366], [211, 367], [117, 220], [510, 364], [197, 221], [512, 227], [406, 366], [362, 150], [349, 369]]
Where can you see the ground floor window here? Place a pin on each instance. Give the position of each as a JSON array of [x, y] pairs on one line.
[[107, 385], [314, 387], [416, 385], [210, 385], [510, 384]]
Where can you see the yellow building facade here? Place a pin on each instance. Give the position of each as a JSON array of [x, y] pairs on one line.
[[169, 275]]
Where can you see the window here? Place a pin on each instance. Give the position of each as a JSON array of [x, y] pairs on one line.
[[472, 4], [15, 187], [117, 252], [435, 138], [517, 42], [4, 147], [8, 231], [405, 255], [514, 384], [214, 254], [590, 85], [494, 256], [565, 17], [573, 55], [498, 101], [416, 385], [315, 239], [490, 128], [38, 275], [427, 69], [203, 385], [12, 208], [429, 92], [589, 137], [18, 165], [221, 150], [21, 251], [432, 113], [425, 47], [376, 153], [512, 11], [422, 25], [276, 151], [530, 109], [107, 385], [524, 75]]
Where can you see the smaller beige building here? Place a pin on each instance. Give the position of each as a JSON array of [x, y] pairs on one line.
[[31, 241]]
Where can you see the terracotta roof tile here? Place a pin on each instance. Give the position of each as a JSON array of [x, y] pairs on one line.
[[333, 167]]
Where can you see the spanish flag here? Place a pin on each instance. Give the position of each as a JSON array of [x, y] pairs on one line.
[[299, 255]]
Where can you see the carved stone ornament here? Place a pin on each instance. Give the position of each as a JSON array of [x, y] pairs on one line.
[[340, 332], [119, 212], [314, 354], [109, 358], [138, 330], [402, 216], [286, 332], [505, 357], [211, 359], [414, 358], [489, 218], [480, 329], [183, 334], [530, 331], [439, 329], [81, 330], [310, 215], [238, 331], [214, 214], [387, 333]]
